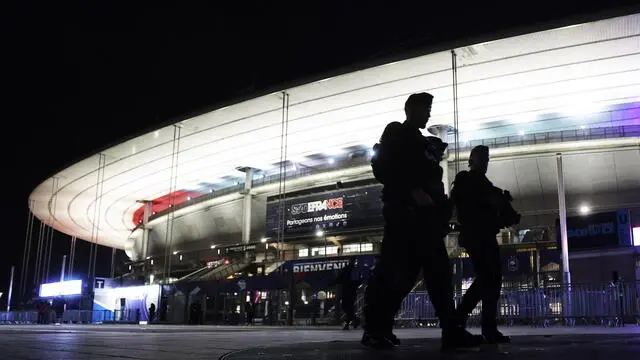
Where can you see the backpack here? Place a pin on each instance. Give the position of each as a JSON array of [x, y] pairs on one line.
[[379, 163]]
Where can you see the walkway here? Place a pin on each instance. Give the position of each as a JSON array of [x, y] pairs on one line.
[[231, 343]]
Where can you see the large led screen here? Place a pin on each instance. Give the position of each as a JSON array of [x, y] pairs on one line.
[[71, 287], [330, 212], [600, 230]]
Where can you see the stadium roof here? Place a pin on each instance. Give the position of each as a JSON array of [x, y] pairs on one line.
[[575, 70]]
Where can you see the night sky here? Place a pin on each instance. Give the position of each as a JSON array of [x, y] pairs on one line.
[[79, 79]]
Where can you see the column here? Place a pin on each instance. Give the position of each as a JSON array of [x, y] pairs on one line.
[[441, 131], [246, 205], [562, 207], [64, 263], [562, 212], [537, 263], [145, 229], [10, 289]]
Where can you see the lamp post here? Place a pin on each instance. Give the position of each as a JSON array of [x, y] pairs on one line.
[[10, 289]]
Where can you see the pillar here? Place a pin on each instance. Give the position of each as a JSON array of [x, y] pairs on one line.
[[441, 131], [246, 205], [537, 264], [145, 229], [64, 263], [564, 243], [10, 289], [562, 211]]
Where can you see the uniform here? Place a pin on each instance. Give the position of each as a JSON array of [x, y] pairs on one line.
[[413, 236], [477, 203]]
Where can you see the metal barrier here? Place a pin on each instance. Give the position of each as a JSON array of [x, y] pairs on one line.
[[584, 304], [580, 304], [70, 317]]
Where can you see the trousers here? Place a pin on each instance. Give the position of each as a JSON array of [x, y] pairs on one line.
[[348, 308], [484, 254], [412, 241]]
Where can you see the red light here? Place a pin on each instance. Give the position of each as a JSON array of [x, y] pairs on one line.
[[226, 262], [334, 203], [162, 203]]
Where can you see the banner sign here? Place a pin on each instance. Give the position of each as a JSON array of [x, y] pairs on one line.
[[125, 303], [363, 262], [322, 273], [513, 263], [349, 209], [623, 218], [610, 229], [240, 248], [324, 265]]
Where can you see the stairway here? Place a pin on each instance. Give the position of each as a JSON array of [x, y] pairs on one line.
[[221, 272], [195, 274]]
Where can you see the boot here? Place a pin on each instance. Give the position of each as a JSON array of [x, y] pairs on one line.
[[376, 341], [393, 339], [495, 337], [459, 338], [355, 323]]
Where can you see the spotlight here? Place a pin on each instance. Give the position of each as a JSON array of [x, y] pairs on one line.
[[585, 209]]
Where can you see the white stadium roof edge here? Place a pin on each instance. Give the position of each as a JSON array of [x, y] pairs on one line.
[[512, 79]]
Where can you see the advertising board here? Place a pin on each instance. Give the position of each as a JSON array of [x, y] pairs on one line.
[[347, 209], [600, 230]]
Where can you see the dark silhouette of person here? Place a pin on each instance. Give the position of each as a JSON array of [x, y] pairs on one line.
[[195, 313], [164, 308], [59, 305], [348, 294], [152, 312], [415, 211], [248, 311], [43, 309], [482, 210]]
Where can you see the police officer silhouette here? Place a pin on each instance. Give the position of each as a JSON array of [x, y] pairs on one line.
[[348, 285], [482, 210], [415, 211]]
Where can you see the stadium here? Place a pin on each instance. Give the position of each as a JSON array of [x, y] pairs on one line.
[[283, 180]]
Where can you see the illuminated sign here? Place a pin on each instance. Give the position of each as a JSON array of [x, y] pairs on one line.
[[71, 287], [241, 248], [609, 229], [320, 266], [636, 236], [352, 209], [313, 206]]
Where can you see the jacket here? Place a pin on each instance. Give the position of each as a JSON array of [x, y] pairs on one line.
[[475, 200], [411, 166]]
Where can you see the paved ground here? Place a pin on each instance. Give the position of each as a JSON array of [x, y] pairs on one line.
[[209, 342]]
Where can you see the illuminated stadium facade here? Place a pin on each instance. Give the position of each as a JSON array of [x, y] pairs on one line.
[[286, 175]]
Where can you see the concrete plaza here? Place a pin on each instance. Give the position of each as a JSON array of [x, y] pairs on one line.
[[214, 342]]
